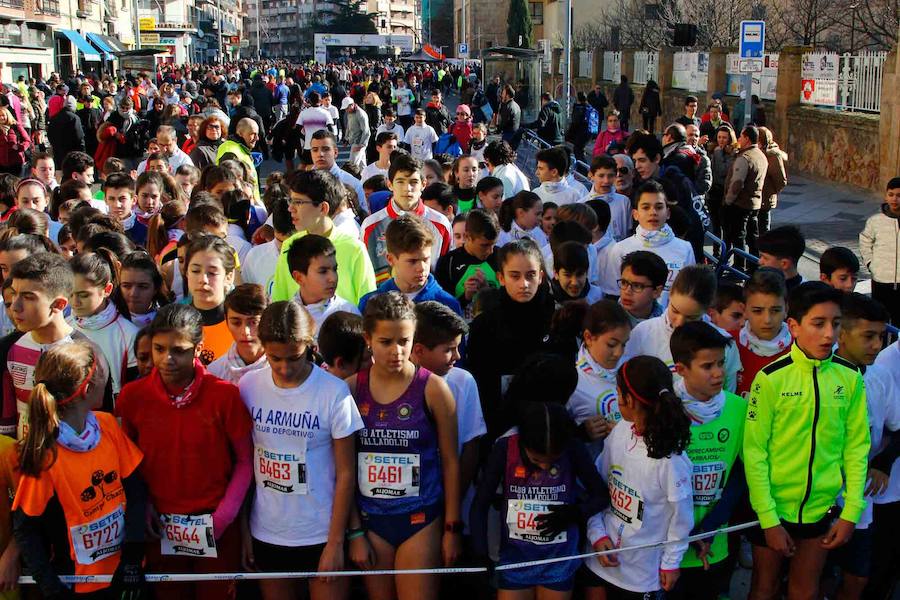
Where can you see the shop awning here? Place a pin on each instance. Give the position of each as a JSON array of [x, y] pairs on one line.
[[101, 45], [112, 43], [82, 44]]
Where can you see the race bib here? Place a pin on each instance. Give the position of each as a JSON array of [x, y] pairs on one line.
[[388, 475], [187, 535], [708, 480], [625, 500], [521, 520], [99, 539], [282, 472]]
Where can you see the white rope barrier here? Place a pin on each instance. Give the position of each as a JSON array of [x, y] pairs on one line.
[[185, 577]]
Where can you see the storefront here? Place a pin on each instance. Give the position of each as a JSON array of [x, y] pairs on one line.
[[26, 49], [74, 53]]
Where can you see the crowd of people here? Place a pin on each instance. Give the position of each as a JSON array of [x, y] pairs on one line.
[[414, 360]]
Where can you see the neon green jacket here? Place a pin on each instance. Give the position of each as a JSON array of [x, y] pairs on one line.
[[240, 151], [806, 436]]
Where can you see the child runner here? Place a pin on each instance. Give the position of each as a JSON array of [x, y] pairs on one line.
[[408, 467], [806, 436], [490, 194], [717, 432], [692, 294], [78, 462], [471, 268], [314, 268], [653, 233], [781, 248], [603, 175], [342, 344], [385, 143], [118, 192], [839, 268], [540, 468], [648, 474], [149, 192], [143, 352], [459, 231], [863, 322], [570, 275], [503, 336], [314, 196], [95, 306], [420, 138], [439, 197], [244, 306], [594, 406], [409, 242], [210, 275], [42, 285], [305, 483], [520, 217], [552, 166], [643, 276], [464, 178], [194, 432], [604, 272], [765, 336], [877, 244], [405, 181], [728, 310], [32, 193], [548, 217], [439, 333], [141, 287]]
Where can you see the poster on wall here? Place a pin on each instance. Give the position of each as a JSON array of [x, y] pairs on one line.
[[690, 71], [585, 64], [764, 84], [819, 75]]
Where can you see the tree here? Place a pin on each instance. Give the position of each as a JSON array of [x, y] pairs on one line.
[[519, 28], [345, 16]]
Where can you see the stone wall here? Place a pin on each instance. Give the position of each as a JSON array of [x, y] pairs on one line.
[[838, 146]]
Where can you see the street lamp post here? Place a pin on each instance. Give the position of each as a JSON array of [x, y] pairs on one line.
[[221, 24]]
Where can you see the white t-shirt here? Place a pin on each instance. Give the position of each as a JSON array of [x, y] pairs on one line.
[[396, 128], [559, 192], [651, 501], [514, 180], [313, 119], [346, 221], [116, 341], [889, 362], [420, 138], [371, 170], [293, 456], [516, 233], [241, 246], [676, 253], [322, 310], [620, 212], [404, 98], [652, 337], [258, 266], [468, 405], [605, 272], [594, 395]]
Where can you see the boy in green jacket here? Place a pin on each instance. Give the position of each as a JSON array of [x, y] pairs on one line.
[[806, 436]]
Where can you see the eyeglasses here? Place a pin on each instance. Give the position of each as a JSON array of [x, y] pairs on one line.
[[634, 286], [214, 126], [299, 203], [623, 170]]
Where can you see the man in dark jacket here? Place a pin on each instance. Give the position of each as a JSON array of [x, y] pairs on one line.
[[436, 113], [623, 98], [743, 195], [239, 111], [262, 100], [509, 116], [597, 99], [548, 124], [492, 91], [65, 132], [677, 152]]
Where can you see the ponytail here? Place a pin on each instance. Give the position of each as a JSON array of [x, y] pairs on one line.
[[544, 428], [159, 225], [667, 427], [524, 200], [61, 375]]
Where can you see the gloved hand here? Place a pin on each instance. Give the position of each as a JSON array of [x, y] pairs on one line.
[[128, 581], [560, 517]]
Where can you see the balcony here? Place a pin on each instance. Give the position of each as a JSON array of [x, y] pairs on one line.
[[14, 4], [47, 8]]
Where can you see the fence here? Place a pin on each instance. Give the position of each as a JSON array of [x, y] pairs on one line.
[[646, 67], [612, 66], [850, 82], [690, 71]]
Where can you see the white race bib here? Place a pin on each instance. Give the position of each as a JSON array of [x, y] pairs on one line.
[[521, 517], [625, 500], [187, 535], [282, 472], [100, 538], [708, 480], [384, 475]]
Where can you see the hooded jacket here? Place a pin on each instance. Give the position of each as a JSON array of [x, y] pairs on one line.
[[776, 176], [548, 125], [431, 291]]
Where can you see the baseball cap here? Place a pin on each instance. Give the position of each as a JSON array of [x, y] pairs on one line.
[[347, 101]]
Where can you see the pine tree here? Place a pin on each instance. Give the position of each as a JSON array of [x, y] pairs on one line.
[[519, 29]]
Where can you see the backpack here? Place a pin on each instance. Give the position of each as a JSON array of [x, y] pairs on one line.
[[592, 120]]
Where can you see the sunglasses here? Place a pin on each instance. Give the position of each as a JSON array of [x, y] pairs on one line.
[[623, 170]]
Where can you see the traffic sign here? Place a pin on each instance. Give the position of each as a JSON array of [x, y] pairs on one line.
[[752, 39], [462, 50], [750, 65]]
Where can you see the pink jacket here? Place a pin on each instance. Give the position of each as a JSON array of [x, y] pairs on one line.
[[605, 138]]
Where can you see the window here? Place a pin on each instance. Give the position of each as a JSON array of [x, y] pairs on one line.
[[537, 12]]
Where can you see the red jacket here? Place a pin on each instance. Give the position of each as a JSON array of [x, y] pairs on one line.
[[12, 146]]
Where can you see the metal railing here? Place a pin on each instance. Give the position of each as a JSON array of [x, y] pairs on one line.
[[526, 160], [612, 65], [646, 66], [850, 82], [722, 252]]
